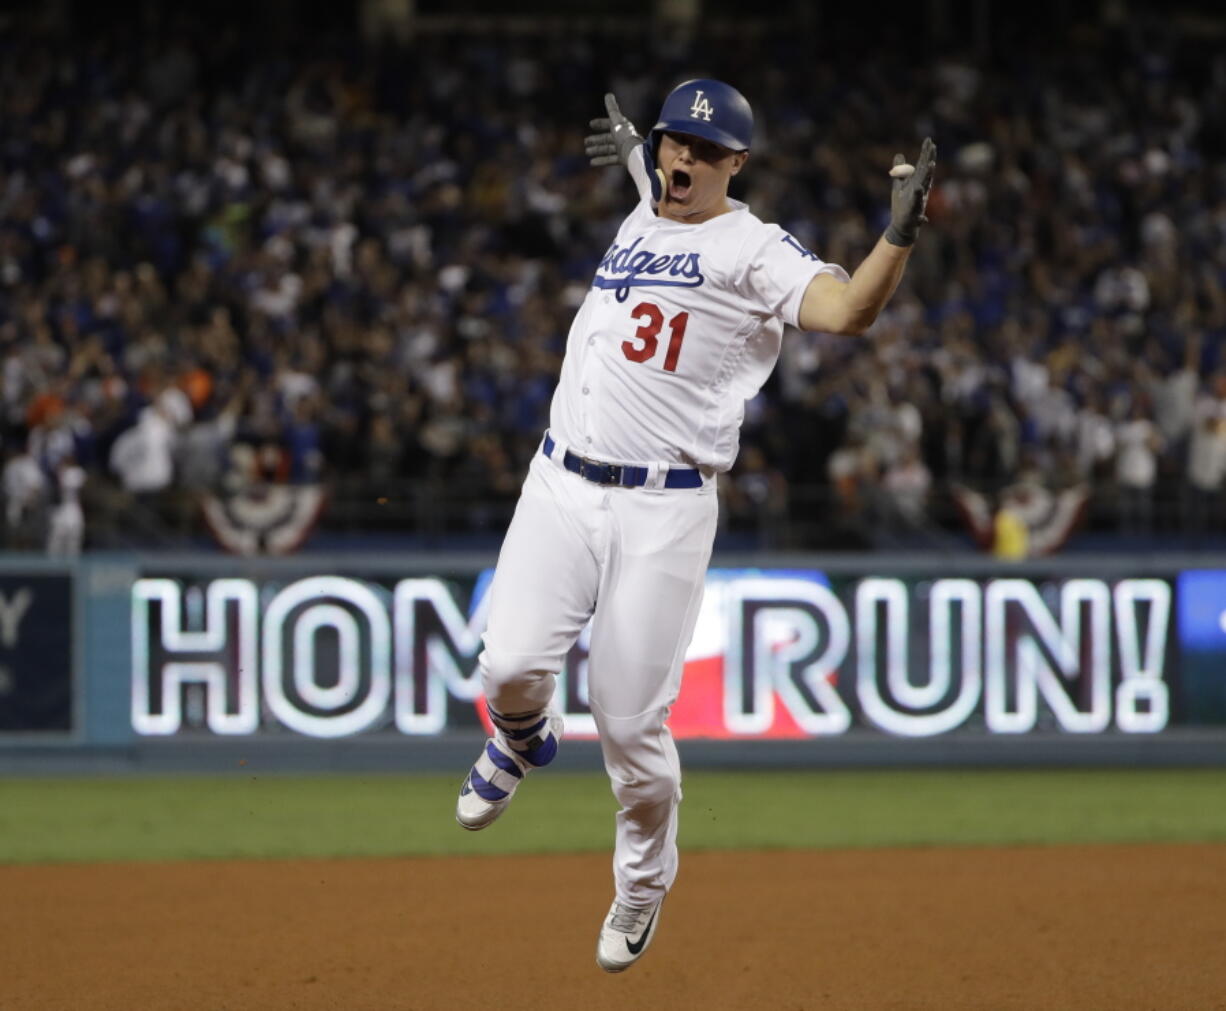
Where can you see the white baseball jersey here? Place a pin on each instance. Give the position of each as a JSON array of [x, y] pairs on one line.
[[682, 325]]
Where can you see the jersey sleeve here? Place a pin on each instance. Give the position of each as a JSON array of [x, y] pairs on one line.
[[775, 270]]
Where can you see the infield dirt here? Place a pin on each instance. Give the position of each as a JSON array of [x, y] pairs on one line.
[[1110, 927]]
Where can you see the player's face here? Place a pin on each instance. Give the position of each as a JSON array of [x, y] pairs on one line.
[[697, 172]]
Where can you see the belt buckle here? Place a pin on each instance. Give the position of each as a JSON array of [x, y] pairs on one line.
[[604, 473]]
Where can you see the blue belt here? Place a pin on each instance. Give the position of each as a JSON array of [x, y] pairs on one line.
[[624, 476]]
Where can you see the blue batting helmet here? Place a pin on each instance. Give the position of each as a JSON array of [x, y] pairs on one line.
[[709, 109]]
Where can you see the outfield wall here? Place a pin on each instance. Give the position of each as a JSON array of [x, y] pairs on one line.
[[166, 661]]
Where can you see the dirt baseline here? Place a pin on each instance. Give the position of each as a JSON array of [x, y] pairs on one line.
[[1069, 927]]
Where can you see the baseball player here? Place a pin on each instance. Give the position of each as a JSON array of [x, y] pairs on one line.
[[616, 519]]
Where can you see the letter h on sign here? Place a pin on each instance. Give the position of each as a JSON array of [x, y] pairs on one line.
[[221, 656]]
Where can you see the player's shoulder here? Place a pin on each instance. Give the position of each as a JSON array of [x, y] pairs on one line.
[[743, 220], [752, 229], [740, 234], [765, 240]]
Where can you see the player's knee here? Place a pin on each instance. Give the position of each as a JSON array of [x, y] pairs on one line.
[[641, 772], [509, 673], [659, 788]]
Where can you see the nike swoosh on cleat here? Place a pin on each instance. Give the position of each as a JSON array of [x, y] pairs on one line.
[[635, 947]]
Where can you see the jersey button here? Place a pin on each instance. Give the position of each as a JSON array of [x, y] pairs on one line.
[[586, 391], [591, 341]]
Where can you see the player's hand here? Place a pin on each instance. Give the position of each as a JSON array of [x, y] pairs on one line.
[[616, 140], [910, 194]]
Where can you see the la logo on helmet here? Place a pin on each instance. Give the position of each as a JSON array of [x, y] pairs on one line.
[[701, 107]]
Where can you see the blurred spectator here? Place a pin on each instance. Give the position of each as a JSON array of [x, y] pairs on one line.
[[1095, 438], [1174, 391], [906, 484], [1207, 458], [143, 456], [852, 474], [1136, 469], [67, 524], [203, 448], [1010, 534], [25, 496]]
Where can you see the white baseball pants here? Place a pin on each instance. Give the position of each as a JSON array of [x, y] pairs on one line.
[[634, 560]]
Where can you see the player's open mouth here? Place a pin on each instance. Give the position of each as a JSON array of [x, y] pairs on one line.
[[679, 187]]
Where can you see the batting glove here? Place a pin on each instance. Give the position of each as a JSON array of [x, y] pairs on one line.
[[619, 143], [909, 198]]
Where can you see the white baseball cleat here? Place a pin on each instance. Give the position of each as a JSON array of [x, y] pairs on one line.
[[519, 745], [625, 935]]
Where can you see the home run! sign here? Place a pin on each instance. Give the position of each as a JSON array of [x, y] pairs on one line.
[[776, 653]]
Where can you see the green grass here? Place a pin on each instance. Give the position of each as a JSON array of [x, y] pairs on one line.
[[272, 816]]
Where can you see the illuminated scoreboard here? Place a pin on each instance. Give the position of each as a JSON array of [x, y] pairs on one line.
[[777, 653]]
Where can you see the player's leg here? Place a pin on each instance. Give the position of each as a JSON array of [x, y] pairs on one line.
[[650, 596], [542, 595]]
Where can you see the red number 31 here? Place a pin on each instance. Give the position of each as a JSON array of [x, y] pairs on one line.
[[647, 335]]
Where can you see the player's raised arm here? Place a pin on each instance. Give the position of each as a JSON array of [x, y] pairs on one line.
[[617, 142], [850, 307]]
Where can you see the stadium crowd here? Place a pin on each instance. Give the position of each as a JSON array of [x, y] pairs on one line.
[[224, 265]]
